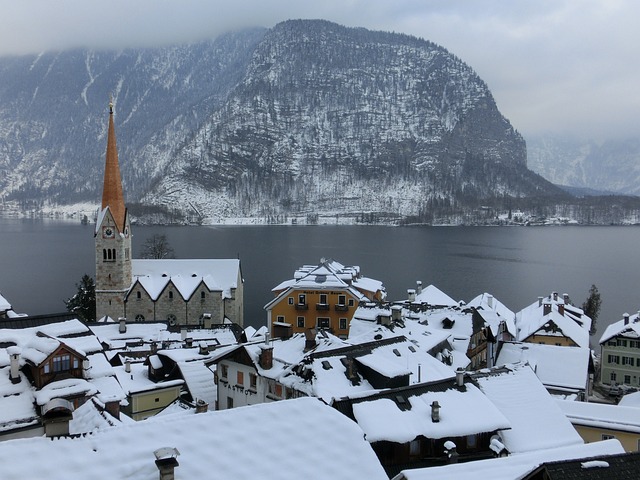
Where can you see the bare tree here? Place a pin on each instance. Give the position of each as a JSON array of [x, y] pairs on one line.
[[157, 246]]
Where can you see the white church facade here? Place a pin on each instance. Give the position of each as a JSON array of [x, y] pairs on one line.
[[191, 292]]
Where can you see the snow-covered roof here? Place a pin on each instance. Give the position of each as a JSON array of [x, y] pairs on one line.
[[186, 274], [249, 444], [555, 366], [199, 380], [630, 400], [434, 296], [486, 301], [536, 420], [511, 467], [631, 330], [17, 403], [462, 413], [600, 415], [88, 418], [572, 322], [4, 304], [137, 380]]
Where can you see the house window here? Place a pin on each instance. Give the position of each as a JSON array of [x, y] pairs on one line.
[[224, 370], [229, 402], [613, 376], [627, 361], [343, 324], [613, 359], [612, 343], [323, 298], [622, 343], [342, 299], [627, 379], [302, 299], [351, 302], [253, 380], [324, 322], [607, 437], [290, 300], [240, 378], [47, 368], [62, 363], [280, 318], [300, 322]]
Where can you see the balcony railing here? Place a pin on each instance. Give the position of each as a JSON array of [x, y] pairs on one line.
[[341, 308], [302, 306], [322, 306]]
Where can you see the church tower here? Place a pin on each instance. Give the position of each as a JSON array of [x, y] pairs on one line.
[[112, 237]]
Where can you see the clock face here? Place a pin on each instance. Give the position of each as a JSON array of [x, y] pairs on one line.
[[107, 232]]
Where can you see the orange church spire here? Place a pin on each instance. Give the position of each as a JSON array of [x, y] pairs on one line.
[[112, 196]]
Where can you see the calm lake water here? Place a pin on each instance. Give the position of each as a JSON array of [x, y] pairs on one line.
[[42, 260]]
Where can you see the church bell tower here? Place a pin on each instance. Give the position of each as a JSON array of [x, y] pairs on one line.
[[112, 237]]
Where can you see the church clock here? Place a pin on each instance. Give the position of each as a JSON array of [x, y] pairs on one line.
[[107, 232]]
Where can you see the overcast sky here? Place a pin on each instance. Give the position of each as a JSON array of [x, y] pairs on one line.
[[560, 66]]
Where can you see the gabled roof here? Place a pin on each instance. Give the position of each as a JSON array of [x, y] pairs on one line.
[[186, 275], [536, 420], [625, 466], [250, 445], [434, 296], [402, 414], [631, 330]]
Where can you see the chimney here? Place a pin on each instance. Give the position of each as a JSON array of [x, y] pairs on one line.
[[86, 367], [350, 369], [626, 318], [122, 328], [565, 298], [459, 377], [396, 313], [310, 339], [127, 365], [166, 462], [154, 348], [637, 317], [384, 320], [203, 348], [265, 359], [539, 301], [411, 295], [14, 356], [418, 287], [201, 406], [188, 342], [555, 296], [490, 301], [450, 450], [561, 309], [546, 309], [435, 411]]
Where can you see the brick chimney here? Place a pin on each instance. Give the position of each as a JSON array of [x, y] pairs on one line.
[[265, 359], [546, 309], [626, 318], [561, 309]]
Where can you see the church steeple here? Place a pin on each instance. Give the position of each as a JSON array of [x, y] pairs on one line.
[[112, 196]]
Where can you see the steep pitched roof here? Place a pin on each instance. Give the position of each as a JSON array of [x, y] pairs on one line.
[[631, 329], [112, 195], [600, 415]]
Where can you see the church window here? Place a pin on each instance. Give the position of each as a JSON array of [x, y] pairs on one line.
[[139, 317], [113, 254], [104, 254], [138, 295], [170, 295], [172, 319], [202, 295]]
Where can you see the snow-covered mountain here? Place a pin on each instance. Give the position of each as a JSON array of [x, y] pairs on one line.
[[608, 166], [307, 118]]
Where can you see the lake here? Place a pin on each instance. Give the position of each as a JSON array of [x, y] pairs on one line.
[[41, 260]]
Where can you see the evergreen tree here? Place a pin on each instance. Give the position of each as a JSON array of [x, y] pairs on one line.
[[83, 303], [591, 307]]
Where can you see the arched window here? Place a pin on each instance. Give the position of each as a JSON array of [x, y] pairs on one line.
[[170, 295], [104, 254], [139, 317], [114, 253], [172, 319], [202, 295]]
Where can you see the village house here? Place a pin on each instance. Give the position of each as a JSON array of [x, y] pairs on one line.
[[599, 421], [320, 296], [555, 321], [196, 292], [620, 352], [428, 424]]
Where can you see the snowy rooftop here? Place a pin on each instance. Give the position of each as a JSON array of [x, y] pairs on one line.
[[4, 304], [630, 400], [601, 415], [461, 413], [217, 274], [248, 441], [631, 330], [511, 467], [536, 420], [434, 296], [564, 367]]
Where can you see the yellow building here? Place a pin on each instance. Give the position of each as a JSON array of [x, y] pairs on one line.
[[320, 296]]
